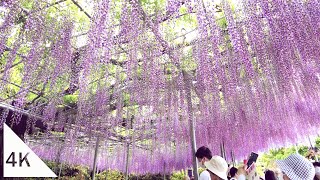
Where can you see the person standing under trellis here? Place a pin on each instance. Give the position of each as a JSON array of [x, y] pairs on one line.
[[311, 155], [217, 167], [203, 155], [296, 167], [270, 175], [317, 170], [233, 173]]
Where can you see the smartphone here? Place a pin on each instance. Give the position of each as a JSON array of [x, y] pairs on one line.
[[252, 158], [190, 173]]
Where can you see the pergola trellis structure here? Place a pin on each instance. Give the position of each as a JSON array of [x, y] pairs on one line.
[[244, 75], [50, 139]]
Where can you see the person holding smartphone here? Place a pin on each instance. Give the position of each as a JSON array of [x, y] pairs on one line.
[[241, 173]]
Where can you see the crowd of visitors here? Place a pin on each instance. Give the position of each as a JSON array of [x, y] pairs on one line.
[[294, 167]]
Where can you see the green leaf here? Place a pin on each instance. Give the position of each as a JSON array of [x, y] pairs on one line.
[[70, 99]]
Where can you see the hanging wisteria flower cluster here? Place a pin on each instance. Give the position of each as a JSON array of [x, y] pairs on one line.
[[248, 74]]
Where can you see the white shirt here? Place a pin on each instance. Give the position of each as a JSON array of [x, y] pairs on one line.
[[205, 175], [317, 170], [241, 177]]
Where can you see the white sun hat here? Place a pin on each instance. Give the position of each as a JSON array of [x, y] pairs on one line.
[[297, 167], [218, 166]]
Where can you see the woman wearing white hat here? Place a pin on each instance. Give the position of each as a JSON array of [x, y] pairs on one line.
[[217, 167], [296, 167]]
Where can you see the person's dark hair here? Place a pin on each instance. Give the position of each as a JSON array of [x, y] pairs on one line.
[[316, 164], [233, 171], [204, 152], [315, 149], [269, 175]]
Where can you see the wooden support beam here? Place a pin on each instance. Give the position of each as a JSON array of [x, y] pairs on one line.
[[95, 158], [188, 86]]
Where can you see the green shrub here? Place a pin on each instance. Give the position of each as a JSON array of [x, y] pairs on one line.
[[69, 171], [178, 175], [110, 175]]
